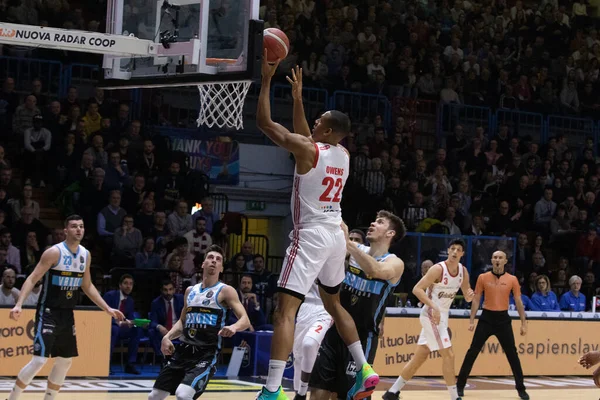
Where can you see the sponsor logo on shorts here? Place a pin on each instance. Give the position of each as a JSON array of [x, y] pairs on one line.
[[47, 331], [37, 347], [202, 364], [351, 369], [353, 299], [192, 332], [31, 329], [69, 294]]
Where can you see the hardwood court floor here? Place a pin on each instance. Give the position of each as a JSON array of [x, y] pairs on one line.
[[537, 394], [539, 388]]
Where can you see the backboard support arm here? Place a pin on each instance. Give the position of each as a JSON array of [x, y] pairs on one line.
[[93, 42]]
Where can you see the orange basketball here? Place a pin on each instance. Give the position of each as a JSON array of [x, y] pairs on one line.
[[277, 44]]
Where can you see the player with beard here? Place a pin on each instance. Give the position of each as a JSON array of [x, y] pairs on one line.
[[64, 270], [372, 275]]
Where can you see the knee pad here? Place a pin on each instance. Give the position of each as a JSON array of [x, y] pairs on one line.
[[185, 392], [310, 349], [157, 394], [31, 369], [59, 370]]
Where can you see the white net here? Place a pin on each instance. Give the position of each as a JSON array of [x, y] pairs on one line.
[[222, 103]]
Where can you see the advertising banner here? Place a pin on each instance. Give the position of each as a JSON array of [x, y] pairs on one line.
[[93, 343], [550, 347], [220, 161]]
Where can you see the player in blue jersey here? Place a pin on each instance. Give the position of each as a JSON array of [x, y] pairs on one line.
[[201, 330], [64, 270], [371, 277]]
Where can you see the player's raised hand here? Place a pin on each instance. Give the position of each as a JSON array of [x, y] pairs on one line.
[[268, 69], [588, 360], [116, 314], [227, 331], [167, 347], [296, 82], [15, 313]]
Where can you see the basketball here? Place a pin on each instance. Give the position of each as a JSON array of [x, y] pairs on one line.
[[277, 44]]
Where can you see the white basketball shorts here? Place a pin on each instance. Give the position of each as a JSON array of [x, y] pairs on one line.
[[314, 253], [312, 321], [436, 337]]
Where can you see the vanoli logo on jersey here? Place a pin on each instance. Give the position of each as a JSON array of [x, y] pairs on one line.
[[444, 295]]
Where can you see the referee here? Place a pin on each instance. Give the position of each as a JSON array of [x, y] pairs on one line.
[[496, 286]]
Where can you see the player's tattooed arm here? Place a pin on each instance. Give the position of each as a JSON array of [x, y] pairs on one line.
[[230, 298], [299, 117]]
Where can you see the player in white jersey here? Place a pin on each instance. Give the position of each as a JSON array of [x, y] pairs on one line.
[[318, 247], [437, 290], [65, 271], [312, 323]]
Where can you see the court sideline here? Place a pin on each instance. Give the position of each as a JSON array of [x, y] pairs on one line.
[[540, 388]]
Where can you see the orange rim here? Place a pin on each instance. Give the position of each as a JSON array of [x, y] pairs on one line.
[[212, 61]]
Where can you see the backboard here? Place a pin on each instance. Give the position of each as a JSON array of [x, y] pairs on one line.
[[202, 41]]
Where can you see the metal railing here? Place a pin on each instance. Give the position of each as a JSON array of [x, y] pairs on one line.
[[418, 247], [577, 130], [424, 117], [470, 117], [521, 124], [25, 70], [363, 107]]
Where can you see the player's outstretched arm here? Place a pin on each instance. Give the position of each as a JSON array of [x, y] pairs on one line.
[[90, 290], [48, 259], [468, 293], [296, 144], [390, 270], [300, 123], [230, 298]]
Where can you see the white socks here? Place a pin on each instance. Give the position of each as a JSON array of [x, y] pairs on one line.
[[357, 354], [50, 394], [303, 389], [453, 392], [398, 385], [15, 393], [276, 370]]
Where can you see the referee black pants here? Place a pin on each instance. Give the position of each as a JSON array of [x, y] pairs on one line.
[[496, 323]]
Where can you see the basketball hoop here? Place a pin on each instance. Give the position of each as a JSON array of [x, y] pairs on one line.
[[222, 103]]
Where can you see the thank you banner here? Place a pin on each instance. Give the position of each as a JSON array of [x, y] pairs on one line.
[[219, 160]]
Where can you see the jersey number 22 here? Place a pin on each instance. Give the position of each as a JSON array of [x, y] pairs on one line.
[[330, 183]]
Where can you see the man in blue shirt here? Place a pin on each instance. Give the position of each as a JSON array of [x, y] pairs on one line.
[[573, 300], [526, 302]]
